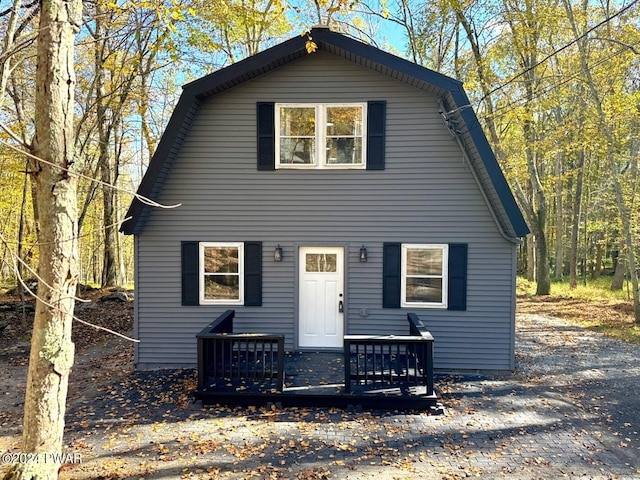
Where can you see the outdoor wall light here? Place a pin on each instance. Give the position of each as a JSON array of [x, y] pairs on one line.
[[363, 254], [277, 254]]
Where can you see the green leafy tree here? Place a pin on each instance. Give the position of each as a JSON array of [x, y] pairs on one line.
[[231, 30]]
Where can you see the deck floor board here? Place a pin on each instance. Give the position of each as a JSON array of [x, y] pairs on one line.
[[316, 379]]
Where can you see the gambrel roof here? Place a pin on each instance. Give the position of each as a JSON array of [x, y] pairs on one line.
[[462, 119]]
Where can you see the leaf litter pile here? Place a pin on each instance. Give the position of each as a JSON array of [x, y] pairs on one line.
[[128, 424], [612, 317]]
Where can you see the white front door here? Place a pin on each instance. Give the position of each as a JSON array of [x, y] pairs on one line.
[[321, 294]]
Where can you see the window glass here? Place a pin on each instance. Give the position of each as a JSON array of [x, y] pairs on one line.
[[298, 121], [424, 275], [322, 135], [344, 151], [321, 262], [424, 290], [297, 135], [221, 273], [344, 135], [344, 121], [221, 287], [424, 261], [221, 260]]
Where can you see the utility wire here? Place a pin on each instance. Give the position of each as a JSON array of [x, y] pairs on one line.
[[554, 53], [18, 260], [552, 87], [141, 198]]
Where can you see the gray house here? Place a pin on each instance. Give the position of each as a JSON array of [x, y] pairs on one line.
[[326, 194]]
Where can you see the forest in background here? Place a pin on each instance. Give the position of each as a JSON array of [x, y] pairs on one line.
[[555, 83], [86, 87]]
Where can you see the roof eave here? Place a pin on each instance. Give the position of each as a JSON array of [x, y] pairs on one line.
[[167, 149], [515, 224]]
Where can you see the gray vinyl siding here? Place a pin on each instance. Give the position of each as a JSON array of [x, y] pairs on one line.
[[426, 194]]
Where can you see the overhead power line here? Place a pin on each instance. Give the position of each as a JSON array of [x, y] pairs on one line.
[[550, 88], [556, 52]]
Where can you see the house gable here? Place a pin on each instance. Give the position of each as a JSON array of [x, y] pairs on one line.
[[472, 140]]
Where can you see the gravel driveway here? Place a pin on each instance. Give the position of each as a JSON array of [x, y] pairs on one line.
[[594, 377], [569, 411]]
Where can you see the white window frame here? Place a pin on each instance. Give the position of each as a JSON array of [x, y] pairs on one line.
[[320, 160], [445, 274], [201, 273]]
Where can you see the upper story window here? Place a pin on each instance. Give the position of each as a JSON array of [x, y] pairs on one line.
[[328, 135], [221, 273], [424, 275]]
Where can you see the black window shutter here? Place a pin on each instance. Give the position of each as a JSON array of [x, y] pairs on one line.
[[376, 121], [391, 269], [253, 274], [266, 136], [190, 280], [457, 276]]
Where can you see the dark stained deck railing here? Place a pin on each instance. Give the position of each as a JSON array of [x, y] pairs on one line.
[[227, 359], [418, 328], [388, 360], [393, 371]]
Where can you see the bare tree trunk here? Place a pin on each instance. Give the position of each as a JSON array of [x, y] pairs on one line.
[[575, 223], [143, 109], [534, 207], [105, 159], [456, 61], [91, 194], [23, 209], [123, 280], [407, 23], [8, 45], [536, 212], [597, 264], [110, 255], [605, 128], [618, 274], [531, 258], [34, 201], [145, 130], [51, 348], [483, 75], [543, 279], [16, 94], [538, 208], [559, 250]]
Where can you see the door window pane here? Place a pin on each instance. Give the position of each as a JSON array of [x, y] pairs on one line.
[[321, 262]]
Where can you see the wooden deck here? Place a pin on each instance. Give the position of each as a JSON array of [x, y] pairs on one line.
[[316, 379], [373, 372]]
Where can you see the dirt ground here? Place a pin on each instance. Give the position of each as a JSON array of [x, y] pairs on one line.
[[615, 312], [99, 355]]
